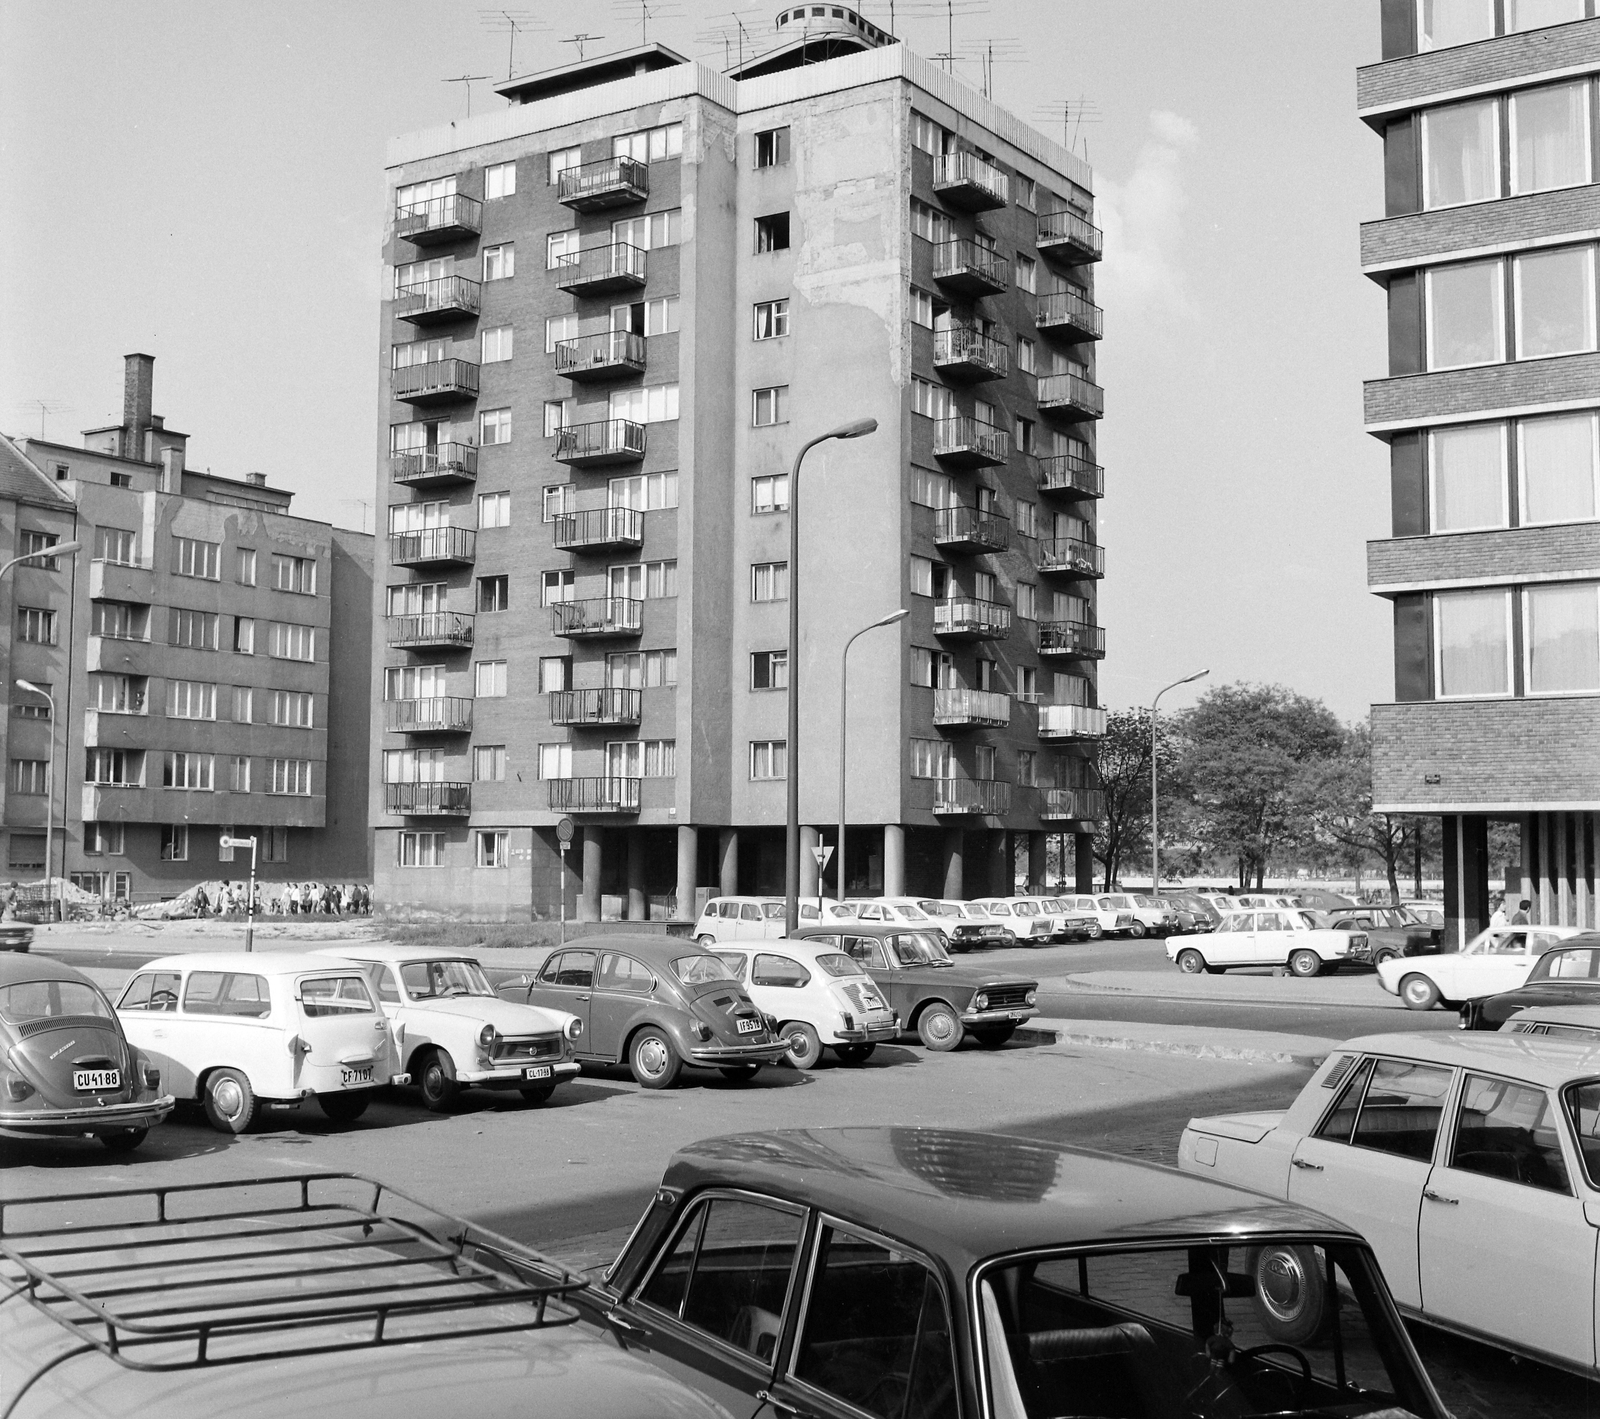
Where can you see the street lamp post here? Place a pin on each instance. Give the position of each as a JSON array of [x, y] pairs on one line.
[[857, 428], [1155, 835], [844, 705]]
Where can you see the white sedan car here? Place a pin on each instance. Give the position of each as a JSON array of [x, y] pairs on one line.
[[1287, 937], [1496, 959], [1470, 1162]]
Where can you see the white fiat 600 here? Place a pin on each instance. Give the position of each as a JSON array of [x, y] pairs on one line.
[[244, 1031], [456, 1033]]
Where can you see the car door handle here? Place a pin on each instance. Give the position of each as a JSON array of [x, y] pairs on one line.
[[580, 997], [629, 1327], [1309, 1167], [1433, 1196]]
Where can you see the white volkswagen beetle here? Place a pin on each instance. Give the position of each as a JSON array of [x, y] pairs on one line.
[[242, 1032], [1497, 959], [456, 1033]]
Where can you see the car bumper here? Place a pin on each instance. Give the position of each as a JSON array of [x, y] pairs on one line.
[[771, 1053], [514, 1076], [869, 1034], [1013, 1016], [74, 1123]]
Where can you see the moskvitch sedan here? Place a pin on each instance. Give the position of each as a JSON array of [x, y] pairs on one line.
[[941, 1001], [655, 1004], [66, 1068], [911, 1273]]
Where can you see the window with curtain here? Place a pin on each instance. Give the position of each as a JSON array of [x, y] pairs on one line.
[[1461, 153], [1559, 460], [1562, 625], [1467, 470], [1472, 635], [1466, 322], [1555, 302], [1449, 22], [1549, 137], [1536, 14]]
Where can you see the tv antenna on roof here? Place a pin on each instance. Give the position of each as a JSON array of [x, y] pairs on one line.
[[647, 11], [515, 22], [45, 407], [469, 80], [580, 40], [1073, 113], [930, 9], [729, 35]]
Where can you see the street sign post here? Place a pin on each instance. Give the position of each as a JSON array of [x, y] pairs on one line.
[[822, 854], [250, 899], [564, 831]]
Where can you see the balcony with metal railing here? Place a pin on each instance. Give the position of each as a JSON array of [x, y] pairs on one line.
[[599, 616], [969, 529], [433, 546], [601, 442], [969, 618], [1071, 722], [428, 800], [1068, 556], [599, 270], [443, 298], [597, 708], [1070, 313], [600, 529], [978, 797], [1072, 397], [1076, 805], [971, 709], [607, 354], [1071, 475], [1074, 640], [611, 182], [965, 353], [432, 630], [431, 467], [970, 182], [438, 219], [594, 795], [436, 382], [964, 442], [970, 269], [441, 714], [1069, 237]]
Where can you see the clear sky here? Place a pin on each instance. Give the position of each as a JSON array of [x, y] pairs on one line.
[[205, 183]]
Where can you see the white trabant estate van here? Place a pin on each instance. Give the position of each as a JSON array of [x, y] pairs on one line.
[[759, 918], [245, 1031]]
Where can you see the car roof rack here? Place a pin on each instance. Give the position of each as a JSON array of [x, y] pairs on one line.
[[266, 1268]]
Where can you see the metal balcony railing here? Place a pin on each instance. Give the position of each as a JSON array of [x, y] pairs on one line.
[[598, 528], [441, 629], [604, 441], [1070, 236], [969, 181], [1071, 722], [453, 800], [965, 352], [596, 707], [965, 266], [433, 544], [443, 714], [1082, 805], [443, 463], [1070, 474], [970, 443], [594, 795], [969, 529], [597, 269], [1072, 395], [611, 182], [439, 219], [435, 382], [971, 707], [971, 617], [599, 616], [444, 298], [1071, 313], [981, 796], [1079, 639], [609, 352], [1072, 557]]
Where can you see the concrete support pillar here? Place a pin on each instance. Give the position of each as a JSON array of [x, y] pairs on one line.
[[688, 865], [638, 902], [1466, 878], [728, 862], [997, 869], [808, 861], [954, 841], [1083, 846], [1530, 856], [1038, 867], [1563, 873], [589, 897], [894, 860]]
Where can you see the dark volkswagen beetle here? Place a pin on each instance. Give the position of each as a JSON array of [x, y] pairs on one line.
[[66, 1069]]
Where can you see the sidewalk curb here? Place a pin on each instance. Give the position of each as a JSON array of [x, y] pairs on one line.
[[1076, 984], [1035, 1035]]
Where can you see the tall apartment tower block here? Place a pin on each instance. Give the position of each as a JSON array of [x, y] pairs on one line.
[[1489, 112], [617, 310]]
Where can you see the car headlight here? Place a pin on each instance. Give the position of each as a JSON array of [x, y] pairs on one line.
[[1031, 998], [980, 1001], [486, 1038], [573, 1028]]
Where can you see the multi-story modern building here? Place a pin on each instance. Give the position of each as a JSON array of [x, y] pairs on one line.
[[207, 654], [617, 310], [1487, 250]]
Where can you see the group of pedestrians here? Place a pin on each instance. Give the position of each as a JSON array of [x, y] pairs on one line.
[[291, 899]]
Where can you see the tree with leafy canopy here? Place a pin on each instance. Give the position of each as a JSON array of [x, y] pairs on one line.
[[1122, 838], [1335, 808]]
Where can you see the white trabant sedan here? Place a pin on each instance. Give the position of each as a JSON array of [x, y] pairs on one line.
[[819, 996], [1285, 937], [1470, 1162], [1496, 959], [455, 1033], [242, 1032]]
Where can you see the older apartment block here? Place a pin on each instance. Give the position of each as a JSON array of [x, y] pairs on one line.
[[1488, 111], [615, 312]]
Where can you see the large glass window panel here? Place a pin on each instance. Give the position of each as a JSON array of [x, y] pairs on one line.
[[1563, 630], [1536, 14], [1549, 137], [1467, 467], [1555, 302], [1473, 634], [1461, 153], [1466, 324], [1559, 460], [1448, 22]]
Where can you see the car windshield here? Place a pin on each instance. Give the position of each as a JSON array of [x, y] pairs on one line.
[[1148, 1326], [919, 948], [838, 965], [940, 908], [1025, 909], [905, 909], [773, 911], [438, 980], [31, 1000], [700, 970]]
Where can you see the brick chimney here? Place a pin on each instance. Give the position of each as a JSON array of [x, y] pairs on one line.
[[138, 385], [256, 480]]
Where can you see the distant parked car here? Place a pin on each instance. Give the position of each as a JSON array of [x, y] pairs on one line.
[[1036, 921], [1321, 899], [899, 910], [1270, 938], [15, 936], [1393, 931], [1566, 974], [1202, 913], [1497, 959], [967, 926], [1580, 1022], [1148, 915], [1081, 917]]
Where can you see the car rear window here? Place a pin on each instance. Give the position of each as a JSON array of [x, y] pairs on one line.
[[322, 997], [1568, 965], [836, 964], [700, 970], [227, 993], [31, 1000]]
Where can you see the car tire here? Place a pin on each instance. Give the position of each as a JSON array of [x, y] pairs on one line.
[[230, 1101], [805, 1044], [344, 1108], [653, 1061], [1291, 1299], [437, 1080], [1305, 964], [739, 1073], [1095, 932], [853, 1054], [939, 1027], [1388, 953], [707, 941], [537, 1094], [995, 1036], [1191, 962], [1136, 930], [1417, 992], [126, 1140]]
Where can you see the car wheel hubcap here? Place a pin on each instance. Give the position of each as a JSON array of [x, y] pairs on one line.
[[940, 1026], [652, 1057], [799, 1045], [1283, 1284], [229, 1098]]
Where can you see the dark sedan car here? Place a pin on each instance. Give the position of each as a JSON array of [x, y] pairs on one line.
[[912, 1273], [941, 1001], [1569, 975], [654, 1003], [1391, 931], [66, 1069]]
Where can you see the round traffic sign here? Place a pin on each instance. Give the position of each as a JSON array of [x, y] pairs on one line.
[[564, 830]]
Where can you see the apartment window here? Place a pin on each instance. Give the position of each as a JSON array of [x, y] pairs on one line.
[[118, 694], [1559, 467], [1549, 137], [416, 274], [922, 666], [1028, 683], [1027, 355], [297, 574], [419, 850], [1461, 153], [651, 145], [191, 557], [1466, 315], [558, 328], [31, 543], [555, 673], [1064, 606], [643, 492], [1027, 770], [930, 224], [496, 344], [195, 629], [1467, 477], [114, 766], [191, 699], [921, 576], [772, 148], [492, 850], [494, 426], [274, 844], [63, 472], [927, 135], [1026, 191], [1472, 640], [922, 308], [653, 404], [660, 758], [29, 775], [644, 581], [494, 593], [769, 493], [932, 489], [27, 705], [286, 641], [102, 840], [563, 158], [1554, 302], [175, 843], [421, 194], [984, 586], [1026, 517], [1561, 626], [415, 517], [559, 498], [413, 765], [238, 766], [769, 758], [769, 406], [769, 581], [1535, 14], [489, 763], [414, 682], [36, 625], [932, 758], [657, 317], [642, 670], [559, 586], [244, 635], [557, 415], [499, 180], [1027, 270], [500, 262], [931, 400], [489, 679], [1443, 23], [244, 568], [652, 230], [193, 771], [26, 852], [292, 708], [769, 670], [418, 352], [771, 319], [1025, 432], [494, 509], [772, 232], [555, 761], [291, 777], [115, 544], [1027, 601]]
